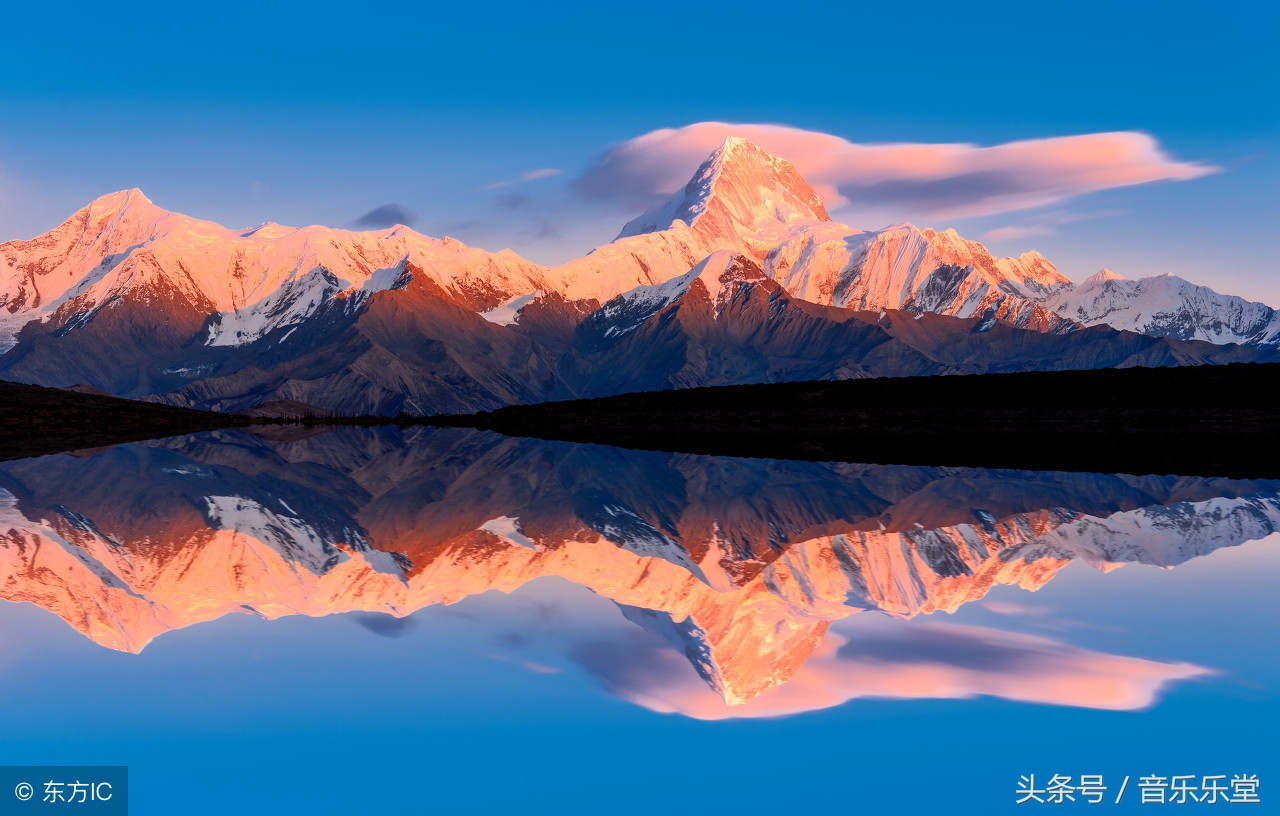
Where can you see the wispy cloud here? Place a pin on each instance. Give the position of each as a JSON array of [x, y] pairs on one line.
[[920, 180], [531, 175], [383, 625], [1016, 232], [541, 173], [387, 215], [1045, 224], [549, 228], [513, 200], [1016, 610]]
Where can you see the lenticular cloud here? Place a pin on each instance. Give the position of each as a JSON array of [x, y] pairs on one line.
[[920, 180], [387, 215]]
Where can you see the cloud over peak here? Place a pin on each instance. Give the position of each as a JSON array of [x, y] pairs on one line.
[[387, 215], [914, 180]]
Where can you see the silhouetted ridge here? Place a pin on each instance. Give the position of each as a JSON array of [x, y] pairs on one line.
[[1203, 420]]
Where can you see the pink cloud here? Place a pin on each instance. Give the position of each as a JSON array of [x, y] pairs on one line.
[[1014, 233], [914, 660], [930, 180], [1016, 610]]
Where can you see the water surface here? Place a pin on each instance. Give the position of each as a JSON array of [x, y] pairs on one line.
[[370, 620]]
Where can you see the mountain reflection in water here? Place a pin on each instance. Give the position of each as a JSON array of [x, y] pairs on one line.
[[737, 567]]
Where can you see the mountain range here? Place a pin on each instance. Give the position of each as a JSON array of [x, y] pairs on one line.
[[740, 277]]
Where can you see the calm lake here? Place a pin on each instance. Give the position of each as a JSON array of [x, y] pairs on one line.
[[454, 621]]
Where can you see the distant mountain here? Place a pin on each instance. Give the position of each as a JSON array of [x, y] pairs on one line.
[[144, 303], [1167, 306]]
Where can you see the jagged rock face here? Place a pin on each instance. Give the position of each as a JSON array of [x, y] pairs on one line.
[[413, 350], [915, 270], [141, 302], [740, 564], [121, 346], [727, 322]]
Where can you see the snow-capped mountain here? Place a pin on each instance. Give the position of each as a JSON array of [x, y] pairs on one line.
[[740, 199], [1167, 306], [744, 200], [122, 246], [713, 278], [916, 270], [146, 303], [740, 193]]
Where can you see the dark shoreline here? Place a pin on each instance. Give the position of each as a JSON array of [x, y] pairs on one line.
[[1201, 421], [35, 421]]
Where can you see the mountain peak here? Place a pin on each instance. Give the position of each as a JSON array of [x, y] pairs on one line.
[[120, 200], [114, 210], [739, 191], [1100, 278], [126, 211]]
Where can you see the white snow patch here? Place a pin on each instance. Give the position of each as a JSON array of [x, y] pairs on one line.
[[505, 528], [382, 279], [505, 313], [300, 544]]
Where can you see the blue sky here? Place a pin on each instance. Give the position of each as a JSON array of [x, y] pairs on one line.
[[324, 113]]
